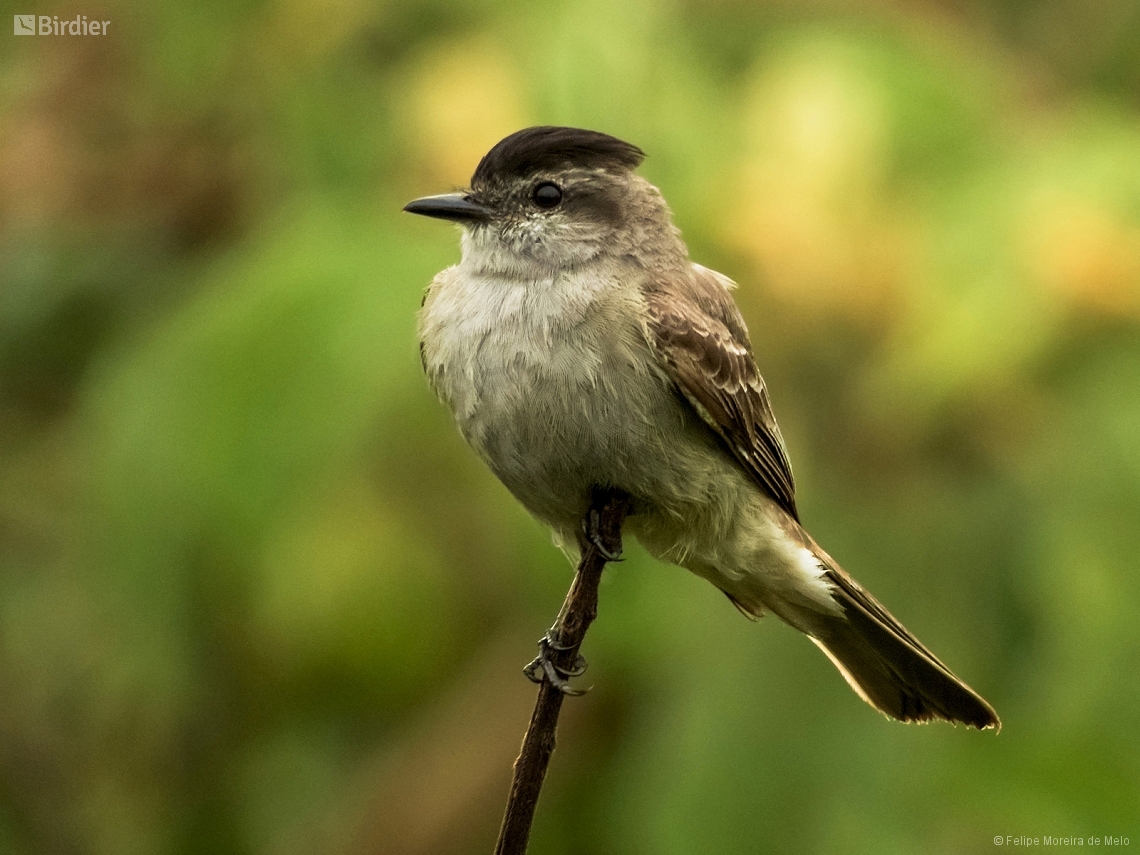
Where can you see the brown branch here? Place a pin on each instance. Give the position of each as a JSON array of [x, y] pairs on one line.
[[607, 513]]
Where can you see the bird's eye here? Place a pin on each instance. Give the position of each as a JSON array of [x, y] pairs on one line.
[[547, 195]]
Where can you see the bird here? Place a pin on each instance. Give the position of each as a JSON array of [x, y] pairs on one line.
[[579, 348]]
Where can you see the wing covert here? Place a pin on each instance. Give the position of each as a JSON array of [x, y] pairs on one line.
[[701, 341]]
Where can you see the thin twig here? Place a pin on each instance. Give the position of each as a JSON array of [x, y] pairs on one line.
[[578, 612]]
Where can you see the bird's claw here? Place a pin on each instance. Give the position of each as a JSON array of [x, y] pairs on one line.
[[545, 670], [592, 531]]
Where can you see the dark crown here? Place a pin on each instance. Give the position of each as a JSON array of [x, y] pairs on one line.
[[532, 149]]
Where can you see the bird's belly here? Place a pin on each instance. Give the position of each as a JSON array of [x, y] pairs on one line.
[[552, 436]]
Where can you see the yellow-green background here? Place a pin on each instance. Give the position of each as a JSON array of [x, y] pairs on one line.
[[257, 597]]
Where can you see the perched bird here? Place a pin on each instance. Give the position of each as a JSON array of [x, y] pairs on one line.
[[579, 348]]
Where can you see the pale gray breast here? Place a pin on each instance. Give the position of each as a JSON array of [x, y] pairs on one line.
[[554, 385]]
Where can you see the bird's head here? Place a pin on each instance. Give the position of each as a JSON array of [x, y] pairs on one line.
[[554, 197]]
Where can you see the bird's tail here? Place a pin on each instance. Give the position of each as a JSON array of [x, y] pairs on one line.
[[887, 666]]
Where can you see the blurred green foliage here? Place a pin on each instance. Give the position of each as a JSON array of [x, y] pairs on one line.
[[256, 596]]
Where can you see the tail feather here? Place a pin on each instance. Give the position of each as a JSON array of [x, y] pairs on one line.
[[887, 666]]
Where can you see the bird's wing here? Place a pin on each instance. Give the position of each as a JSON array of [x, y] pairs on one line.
[[700, 339]]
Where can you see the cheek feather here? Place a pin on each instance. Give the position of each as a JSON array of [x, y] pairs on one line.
[[598, 207]]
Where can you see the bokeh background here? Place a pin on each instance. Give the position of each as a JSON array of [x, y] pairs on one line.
[[256, 597]]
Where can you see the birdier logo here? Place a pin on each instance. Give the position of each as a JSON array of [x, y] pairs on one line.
[[51, 25]]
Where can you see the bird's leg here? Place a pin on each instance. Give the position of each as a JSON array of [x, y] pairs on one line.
[[600, 541], [544, 668]]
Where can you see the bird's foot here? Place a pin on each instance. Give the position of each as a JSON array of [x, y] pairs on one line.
[[545, 670], [592, 531]]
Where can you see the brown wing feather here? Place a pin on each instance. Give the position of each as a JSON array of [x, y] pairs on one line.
[[702, 342]]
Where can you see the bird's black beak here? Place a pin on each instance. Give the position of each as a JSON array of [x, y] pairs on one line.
[[456, 207]]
